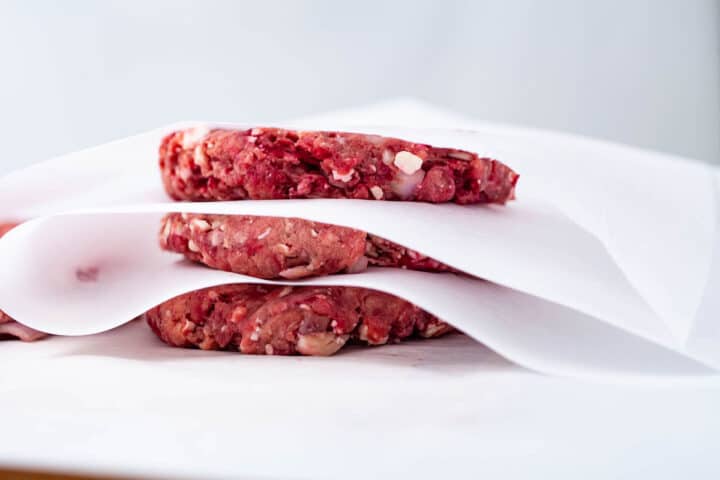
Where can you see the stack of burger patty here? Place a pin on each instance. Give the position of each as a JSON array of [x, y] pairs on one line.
[[269, 163]]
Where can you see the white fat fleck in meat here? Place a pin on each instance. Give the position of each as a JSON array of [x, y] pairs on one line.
[[362, 332], [404, 185], [254, 336], [407, 162], [188, 326], [294, 273], [184, 173], [193, 136], [322, 343], [193, 247], [269, 349], [387, 157], [377, 192], [313, 232], [359, 266], [285, 291], [200, 158], [363, 335], [461, 155], [238, 314], [216, 238], [433, 329], [199, 225], [414, 255], [283, 249], [167, 228], [264, 234], [375, 139], [346, 177]]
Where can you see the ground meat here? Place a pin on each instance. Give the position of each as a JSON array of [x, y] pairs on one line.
[[9, 328], [6, 227], [290, 248], [283, 320], [269, 163]]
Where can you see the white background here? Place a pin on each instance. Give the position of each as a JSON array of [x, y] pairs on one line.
[[78, 73]]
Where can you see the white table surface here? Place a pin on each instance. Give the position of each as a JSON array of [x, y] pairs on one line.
[[124, 403]]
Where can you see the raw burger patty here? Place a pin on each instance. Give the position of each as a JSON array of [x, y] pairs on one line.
[[283, 320], [270, 163], [291, 248], [9, 328]]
